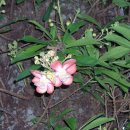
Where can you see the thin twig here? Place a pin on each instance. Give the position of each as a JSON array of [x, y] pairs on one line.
[[14, 94], [40, 119], [6, 38], [65, 98], [11, 93], [95, 3], [70, 94], [11, 9]]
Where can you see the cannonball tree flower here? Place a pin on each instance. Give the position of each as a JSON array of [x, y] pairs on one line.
[[42, 83], [64, 71]]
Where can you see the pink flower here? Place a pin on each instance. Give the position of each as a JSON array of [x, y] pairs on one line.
[[64, 72], [42, 83]]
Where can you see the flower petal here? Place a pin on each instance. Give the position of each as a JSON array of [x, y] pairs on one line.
[[56, 65], [71, 69], [58, 82], [36, 73], [68, 63], [41, 89], [35, 79], [50, 88], [68, 81]]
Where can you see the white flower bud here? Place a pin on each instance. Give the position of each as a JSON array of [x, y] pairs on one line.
[[51, 53], [68, 23], [50, 20], [94, 34], [55, 7], [51, 24], [36, 60], [3, 11], [42, 54]]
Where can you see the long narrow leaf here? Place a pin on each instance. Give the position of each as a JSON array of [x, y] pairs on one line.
[[115, 53], [98, 122], [27, 52], [26, 72], [40, 27], [89, 19]]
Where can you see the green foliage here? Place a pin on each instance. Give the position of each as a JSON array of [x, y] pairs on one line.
[[48, 11], [95, 122], [2, 2], [26, 72], [38, 2], [27, 52], [19, 1], [122, 29], [54, 119], [89, 19], [121, 3], [72, 28], [40, 27]]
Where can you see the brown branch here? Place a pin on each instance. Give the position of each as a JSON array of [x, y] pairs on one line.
[[65, 98], [40, 119], [14, 94], [95, 3], [70, 94]]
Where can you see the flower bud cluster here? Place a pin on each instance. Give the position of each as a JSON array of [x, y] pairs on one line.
[[12, 49], [45, 59]]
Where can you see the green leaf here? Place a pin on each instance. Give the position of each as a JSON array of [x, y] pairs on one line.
[[121, 3], [84, 60], [35, 120], [89, 19], [98, 97], [38, 2], [78, 78], [75, 26], [55, 118], [19, 1], [1, 17], [58, 127], [53, 31], [115, 19], [91, 120], [92, 51], [87, 40], [97, 122], [40, 27], [62, 114], [27, 52], [13, 22], [31, 39], [124, 84], [115, 53], [122, 29], [122, 63], [26, 72], [66, 128], [73, 51], [117, 39], [72, 123], [102, 83], [48, 11], [67, 38]]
